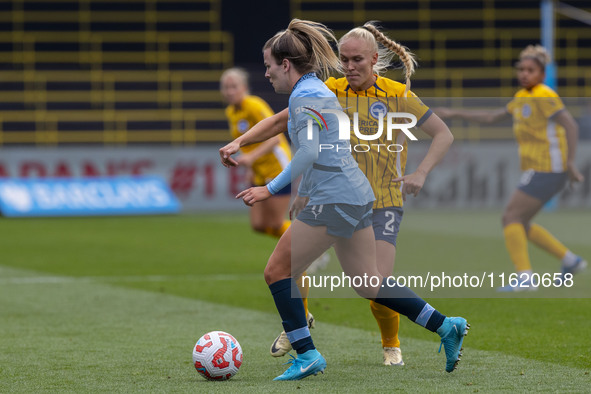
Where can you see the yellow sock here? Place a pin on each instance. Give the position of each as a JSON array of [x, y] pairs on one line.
[[278, 232], [516, 243], [388, 322], [542, 237], [304, 290]]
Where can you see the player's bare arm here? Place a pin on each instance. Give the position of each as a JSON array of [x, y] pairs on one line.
[[479, 115], [442, 140], [248, 159], [565, 119], [262, 131]]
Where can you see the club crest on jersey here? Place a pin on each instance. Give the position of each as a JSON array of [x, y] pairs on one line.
[[378, 108], [242, 125], [526, 111]]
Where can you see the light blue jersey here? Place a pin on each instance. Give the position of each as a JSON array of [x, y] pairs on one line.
[[330, 176]]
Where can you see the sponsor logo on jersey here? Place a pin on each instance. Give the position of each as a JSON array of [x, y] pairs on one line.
[[242, 125], [378, 108]]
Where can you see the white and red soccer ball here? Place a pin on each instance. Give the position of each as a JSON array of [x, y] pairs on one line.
[[217, 355]]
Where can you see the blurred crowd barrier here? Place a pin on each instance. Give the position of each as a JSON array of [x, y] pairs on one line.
[[472, 175]]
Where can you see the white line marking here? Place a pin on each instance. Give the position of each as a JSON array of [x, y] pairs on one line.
[[26, 280]]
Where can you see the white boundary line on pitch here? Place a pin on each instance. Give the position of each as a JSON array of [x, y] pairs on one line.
[[26, 280]]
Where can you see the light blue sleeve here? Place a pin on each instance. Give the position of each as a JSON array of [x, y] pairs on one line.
[[281, 180], [303, 189], [304, 157]]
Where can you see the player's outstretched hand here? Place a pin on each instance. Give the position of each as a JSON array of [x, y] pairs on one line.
[[253, 195], [226, 154], [574, 176], [413, 183]]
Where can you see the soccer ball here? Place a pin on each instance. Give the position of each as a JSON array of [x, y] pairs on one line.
[[217, 355]]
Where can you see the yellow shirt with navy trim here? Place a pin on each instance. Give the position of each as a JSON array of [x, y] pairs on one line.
[[542, 142], [380, 166], [241, 118]]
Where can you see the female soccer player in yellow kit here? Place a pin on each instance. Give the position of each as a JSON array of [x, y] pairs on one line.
[[547, 137], [264, 160], [363, 90]]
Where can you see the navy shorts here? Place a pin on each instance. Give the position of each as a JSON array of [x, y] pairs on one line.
[[341, 220], [285, 191], [386, 223], [542, 185]]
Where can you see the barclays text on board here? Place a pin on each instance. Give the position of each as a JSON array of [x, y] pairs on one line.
[[80, 197]]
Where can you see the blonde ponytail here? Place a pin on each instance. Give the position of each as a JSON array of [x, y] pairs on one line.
[[306, 45]]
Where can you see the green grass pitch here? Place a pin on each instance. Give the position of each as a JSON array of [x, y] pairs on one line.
[[116, 304]]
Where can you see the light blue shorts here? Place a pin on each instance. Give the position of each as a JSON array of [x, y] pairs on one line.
[[341, 220]]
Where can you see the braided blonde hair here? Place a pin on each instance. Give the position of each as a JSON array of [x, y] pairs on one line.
[[372, 35], [537, 53]]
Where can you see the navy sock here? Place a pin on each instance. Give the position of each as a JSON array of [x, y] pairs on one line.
[[291, 309], [404, 301]]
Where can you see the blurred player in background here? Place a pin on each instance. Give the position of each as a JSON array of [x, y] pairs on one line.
[[363, 90], [547, 137], [334, 202], [264, 160]]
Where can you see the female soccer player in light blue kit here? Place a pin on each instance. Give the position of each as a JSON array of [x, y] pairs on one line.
[[336, 196]]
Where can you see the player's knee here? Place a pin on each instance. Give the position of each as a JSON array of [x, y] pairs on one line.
[[366, 292], [268, 273], [505, 219], [512, 216], [509, 216], [276, 224], [278, 268], [273, 274], [259, 227]]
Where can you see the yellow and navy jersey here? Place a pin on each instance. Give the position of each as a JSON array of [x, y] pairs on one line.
[[241, 118], [542, 142], [381, 165]]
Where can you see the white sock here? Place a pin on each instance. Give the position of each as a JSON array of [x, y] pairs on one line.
[[569, 259]]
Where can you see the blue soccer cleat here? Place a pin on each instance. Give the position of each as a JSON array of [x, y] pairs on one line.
[[309, 363], [452, 333], [579, 266]]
